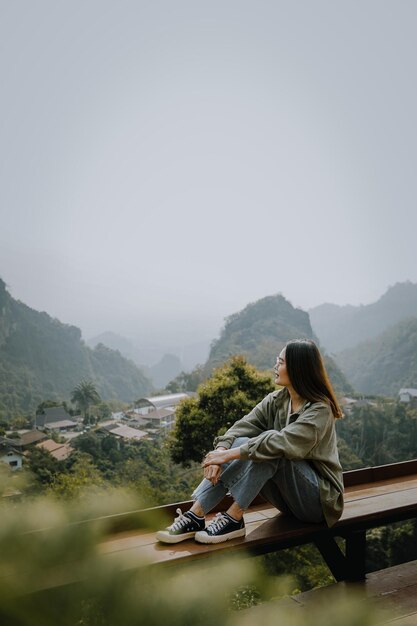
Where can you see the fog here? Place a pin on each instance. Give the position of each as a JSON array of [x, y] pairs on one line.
[[163, 164]]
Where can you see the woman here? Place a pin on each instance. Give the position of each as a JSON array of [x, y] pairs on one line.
[[285, 449]]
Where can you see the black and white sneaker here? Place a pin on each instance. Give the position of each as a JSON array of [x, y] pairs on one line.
[[184, 527], [222, 528]]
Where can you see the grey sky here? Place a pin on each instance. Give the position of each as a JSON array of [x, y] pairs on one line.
[[162, 164]]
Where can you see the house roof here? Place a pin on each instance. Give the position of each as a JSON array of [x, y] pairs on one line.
[[8, 447], [59, 451], [52, 414], [160, 402], [410, 391], [30, 437], [49, 444], [127, 432], [157, 415], [61, 424]]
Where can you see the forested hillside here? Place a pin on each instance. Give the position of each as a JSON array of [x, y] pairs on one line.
[[260, 331], [42, 358], [342, 327], [385, 364]]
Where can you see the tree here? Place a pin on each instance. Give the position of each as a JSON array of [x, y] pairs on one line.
[[18, 422], [84, 395], [83, 475], [43, 465], [232, 391], [102, 411]]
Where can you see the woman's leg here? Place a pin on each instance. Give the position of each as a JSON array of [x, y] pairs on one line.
[[243, 479], [295, 489], [290, 485]]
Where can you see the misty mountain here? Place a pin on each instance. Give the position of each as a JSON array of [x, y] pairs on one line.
[[165, 370], [260, 331], [148, 355], [342, 327], [385, 364], [41, 358]]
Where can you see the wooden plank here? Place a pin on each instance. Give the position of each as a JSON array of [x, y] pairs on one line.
[[380, 472], [391, 484], [392, 591]]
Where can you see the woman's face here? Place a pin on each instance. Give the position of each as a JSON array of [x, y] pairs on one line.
[[281, 375]]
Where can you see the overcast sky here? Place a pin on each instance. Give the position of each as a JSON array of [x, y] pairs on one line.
[[164, 163]]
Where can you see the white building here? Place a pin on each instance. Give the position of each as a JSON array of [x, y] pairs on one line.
[[9, 455], [408, 395], [146, 405]]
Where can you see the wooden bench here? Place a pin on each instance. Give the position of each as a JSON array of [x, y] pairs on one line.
[[373, 497]]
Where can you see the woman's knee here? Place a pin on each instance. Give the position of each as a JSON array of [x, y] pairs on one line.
[[239, 441]]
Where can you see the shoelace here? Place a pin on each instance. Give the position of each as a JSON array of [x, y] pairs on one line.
[[180, 521], [218, 523]]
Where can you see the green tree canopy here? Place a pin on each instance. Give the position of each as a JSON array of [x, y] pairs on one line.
[[84, 395], [232, 391]]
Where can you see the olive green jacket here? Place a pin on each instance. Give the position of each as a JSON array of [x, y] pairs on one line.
[[310, 435]]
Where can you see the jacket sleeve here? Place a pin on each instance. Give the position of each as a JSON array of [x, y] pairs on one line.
[[252, 425], [295, 441]]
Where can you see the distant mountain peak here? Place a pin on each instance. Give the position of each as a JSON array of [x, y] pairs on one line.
[[343, 327]]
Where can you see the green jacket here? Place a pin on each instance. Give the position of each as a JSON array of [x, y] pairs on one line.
[[310, 435]]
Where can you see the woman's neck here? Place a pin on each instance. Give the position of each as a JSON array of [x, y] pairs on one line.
[[296, 400]]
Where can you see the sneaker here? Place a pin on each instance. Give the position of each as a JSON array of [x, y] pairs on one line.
[[222, 528], [184, 527]]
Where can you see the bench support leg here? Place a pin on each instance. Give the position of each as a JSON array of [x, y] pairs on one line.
[[356, 555], [349, 566], [333, 556]]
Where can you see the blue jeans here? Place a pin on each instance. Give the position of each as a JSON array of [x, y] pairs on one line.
[[291, 486]]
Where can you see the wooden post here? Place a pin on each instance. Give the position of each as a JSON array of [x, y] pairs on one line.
[[333, 556], [356, 555]]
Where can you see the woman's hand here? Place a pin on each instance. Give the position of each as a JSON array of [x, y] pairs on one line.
[[212, 473], [219, 456]]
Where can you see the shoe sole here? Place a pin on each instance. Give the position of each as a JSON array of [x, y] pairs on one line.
[[202, 537], [165, 537]]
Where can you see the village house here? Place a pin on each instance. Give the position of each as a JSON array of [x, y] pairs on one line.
[[156, 413], [408, 396], [61, 426], [146, 405], [60, 451], [123, 432], [52, 415], [159, 419], [9, 454], [28, 439]]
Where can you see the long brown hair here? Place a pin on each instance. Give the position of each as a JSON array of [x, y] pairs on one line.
[[308, 374]]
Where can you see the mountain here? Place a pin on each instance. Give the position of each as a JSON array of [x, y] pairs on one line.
[[41, 358], [148, 355], [165, 370], [342, 327], [260, 331], [385, 364], [115, 342]]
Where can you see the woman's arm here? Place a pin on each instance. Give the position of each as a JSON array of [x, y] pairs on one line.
[[218, 457], [252, 425], [295, 441]]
